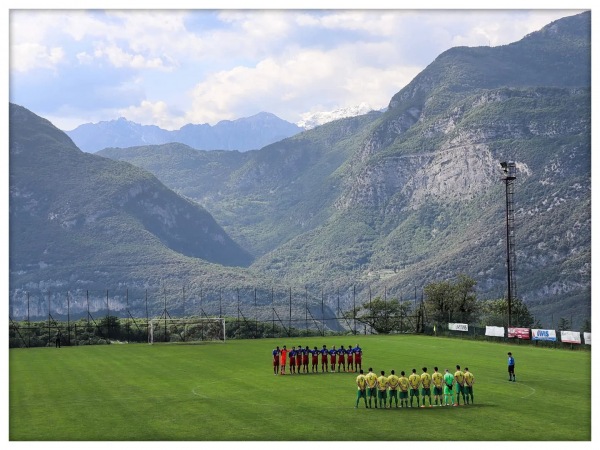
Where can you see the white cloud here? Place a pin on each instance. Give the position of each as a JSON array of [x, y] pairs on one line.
[[301, 82], [120, 58], [29, 56], [84, 58], [152, 113]]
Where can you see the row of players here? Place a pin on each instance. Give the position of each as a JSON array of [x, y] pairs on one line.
[[349, 359], [383, 388]]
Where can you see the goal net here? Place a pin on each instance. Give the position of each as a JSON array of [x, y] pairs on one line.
[[199, 329]]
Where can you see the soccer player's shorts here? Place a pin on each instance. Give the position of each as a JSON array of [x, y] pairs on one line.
[[426, 392], [292, 362], [393, 393], [332, 360], [437, 390], [511, 369], [357, 360], [315, 361], [371, 391], [360, 394], [298, 360], [323, 359], [414, 392], [448, 390], [305, 360], [459, 389], [275, 362], [403, 394], [468, 390], [381, 394]]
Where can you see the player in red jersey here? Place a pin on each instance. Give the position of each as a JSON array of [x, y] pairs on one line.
[[332, 354], [305, 353], [341, 357], [324, 352], [357, 357], [350, 357], [315, 359], [276, 353], [299, 354], [293, 353], [283, 359]]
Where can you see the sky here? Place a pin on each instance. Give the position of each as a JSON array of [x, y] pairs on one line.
[[171, 67]]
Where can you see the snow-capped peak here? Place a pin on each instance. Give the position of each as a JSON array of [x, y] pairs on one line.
[[313, 119]]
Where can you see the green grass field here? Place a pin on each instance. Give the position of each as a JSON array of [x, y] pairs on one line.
[[227, 392]]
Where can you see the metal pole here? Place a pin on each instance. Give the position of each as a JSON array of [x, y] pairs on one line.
[[68, 320], [306, 309], [147, 316], [510, 171], [48, 318], [290, 326], [370, 310], [255, 316], [28, 324], [322, 313], [107, 319], [220, 309], [354, 310]]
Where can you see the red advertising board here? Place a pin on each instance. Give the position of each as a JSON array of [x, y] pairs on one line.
[[519, 333]]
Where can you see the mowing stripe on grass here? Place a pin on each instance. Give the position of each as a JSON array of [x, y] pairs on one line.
[[227, 392]]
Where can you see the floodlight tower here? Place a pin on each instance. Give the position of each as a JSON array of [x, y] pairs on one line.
[[510, 171]]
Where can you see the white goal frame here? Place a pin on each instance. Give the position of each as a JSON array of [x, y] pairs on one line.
[[160, 321]]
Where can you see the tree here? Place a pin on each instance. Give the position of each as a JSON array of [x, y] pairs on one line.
[[564, 324], [384, 316], [587, 326], [448, 301], [495, 313], [112, 326]]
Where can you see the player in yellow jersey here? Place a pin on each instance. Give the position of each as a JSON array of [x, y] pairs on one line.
[[393, 385], [371, 387], [382, 385], [438, 384], [403, 383], [414, 380], [426, 387], [361, 383], [468, 387], [460, 382]]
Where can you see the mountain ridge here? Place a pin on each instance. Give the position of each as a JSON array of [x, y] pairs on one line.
[[241, 134]]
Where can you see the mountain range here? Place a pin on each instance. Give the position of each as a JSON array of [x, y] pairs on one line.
[[383, 202], [242, 134]]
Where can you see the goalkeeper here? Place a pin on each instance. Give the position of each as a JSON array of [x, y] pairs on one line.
[[448, 388]]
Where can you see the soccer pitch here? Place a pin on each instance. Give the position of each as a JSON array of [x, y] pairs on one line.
[[227, 392]]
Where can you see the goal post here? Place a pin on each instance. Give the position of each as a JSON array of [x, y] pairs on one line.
[[190, 330]]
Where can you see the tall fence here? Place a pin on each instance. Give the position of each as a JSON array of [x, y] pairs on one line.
[[82, 317], [86, 317]]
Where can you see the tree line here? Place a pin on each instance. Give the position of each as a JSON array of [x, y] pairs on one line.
[[448, 301]]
